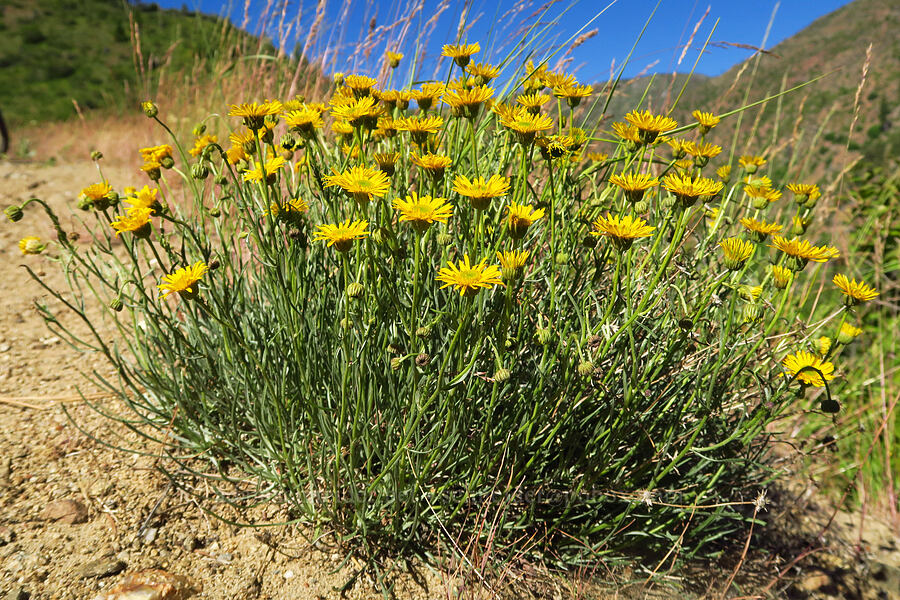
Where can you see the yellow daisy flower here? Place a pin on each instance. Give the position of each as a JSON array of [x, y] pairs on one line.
[[31, 245], [650, 125], [420, 128], [202, 142], [341, 235], [393, 58], [623, 230], [386, 161], [706, 120], [184, 281], [634, 184], [759, 230], [360, 85], [533, 102], [136, 221], [360, 182], [512, 263], [687, 190], [751, 163], [482, 72], [800, 252], [304, 120], [469, 278], [434, 164], [466, 102], [724, 172], [855, 292], [520, 217], [460, 53], [254, 114], [736, 252], [808, 368], [480, 191], [422, 211], [526, 125], [267, 172], [848, 333], [627, 132], [428, 95], [781, 277]]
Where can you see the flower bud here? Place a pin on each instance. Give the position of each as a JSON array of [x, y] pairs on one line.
[[444, 239], [641, 206], [14, 213], [585, 368], [848, 333], [346, 324], [422, 360], [167, 162], [543, 336], [150, 109], [199, 171], [214, 264], [396, 363], [562, 258], [214, 212], [501, 375], [96, 155], [220, 179], [424, 331], [199, 129], [355, 290], [83, 203], [750, 312], [589, 241], [116, 304]]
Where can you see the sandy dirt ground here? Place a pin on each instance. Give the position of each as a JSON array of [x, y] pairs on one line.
[[78, 517]]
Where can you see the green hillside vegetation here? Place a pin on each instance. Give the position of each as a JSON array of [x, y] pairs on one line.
[[55, 51]]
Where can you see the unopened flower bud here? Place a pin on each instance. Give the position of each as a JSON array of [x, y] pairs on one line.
[[199, 171], [355, 290], [150, 109], [585, 368], [199, 129], [396, 363], [14, 213], [444, 239], [214, 264], [220, 179], [424, 331], [96, 155], [750, 312], [422, 360], [641, 206], [116, 304], [543, 336], [167, 162], [589, 241], [501, 375], [562, 258], [215, 212]]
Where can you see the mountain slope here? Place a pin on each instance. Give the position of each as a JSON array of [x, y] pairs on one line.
[[55, 51]]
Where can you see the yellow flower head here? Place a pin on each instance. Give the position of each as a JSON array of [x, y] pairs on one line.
[[460, 53], [808, 368], [512, 263], [31, 245], [704, 150], [393, 58], [466, 102], [434, 164], [688, 189], [184, 281], [469, 278], [855, 292], [422, 211], [597, 157], [482, 72], [158, 154], [386, 161], [650, 125], [428, 94], [751, 163], [254, 114], [627, 132], [480, 191], [724, 172], [804, 192], [781, 277], [707, 120], [526, 125], [360, 85], [533, 102], [341, 235], [634, 184], [267, 172], [800, 252], [360, 182], [289, 211], [623, 230], [848, 333], [202, 142], [304, 120], [760, 230], [520, 217], [736, 252], [136, 221], [420, 128], [358, 112], [823, 345], [97, 191]]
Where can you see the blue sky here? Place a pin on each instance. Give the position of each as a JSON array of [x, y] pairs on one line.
[[496, 24]]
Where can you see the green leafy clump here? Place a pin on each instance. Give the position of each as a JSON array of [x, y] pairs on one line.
[[335, 337]]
